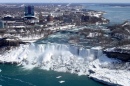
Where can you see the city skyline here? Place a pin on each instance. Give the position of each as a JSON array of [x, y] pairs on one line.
[[63, 1]]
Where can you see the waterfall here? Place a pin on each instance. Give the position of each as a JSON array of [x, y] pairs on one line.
[[58, 57]]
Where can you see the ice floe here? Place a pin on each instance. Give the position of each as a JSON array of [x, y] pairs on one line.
[[61, 81], [58, 77]]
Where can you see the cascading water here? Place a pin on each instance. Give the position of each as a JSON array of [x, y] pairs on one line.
[[58, 57]]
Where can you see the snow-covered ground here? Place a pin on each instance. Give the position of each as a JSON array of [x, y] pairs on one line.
[[31, 38], [26, 38], [68, 58], [65, 27]]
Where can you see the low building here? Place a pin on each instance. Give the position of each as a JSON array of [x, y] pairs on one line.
[[50, 18]]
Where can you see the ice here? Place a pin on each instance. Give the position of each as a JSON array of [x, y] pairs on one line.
[[61, 81], [72, 59], [58, 77]]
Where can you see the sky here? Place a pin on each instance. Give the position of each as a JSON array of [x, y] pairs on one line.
[[64, 1]]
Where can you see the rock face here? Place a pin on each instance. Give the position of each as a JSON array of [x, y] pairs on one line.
[[121, 54], [10, 41]]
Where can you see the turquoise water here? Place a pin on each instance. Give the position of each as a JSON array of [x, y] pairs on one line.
[[12, 75], [116, 13]]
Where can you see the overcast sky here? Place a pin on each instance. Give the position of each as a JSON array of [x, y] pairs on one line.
[[65, 1]]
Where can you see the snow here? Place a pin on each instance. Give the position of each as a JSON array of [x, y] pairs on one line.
[[93, 34], [65, 27], [126, 23], [72, 59], [94, 14], [30, 38], [10, 39], [97, 14], [25, 39]]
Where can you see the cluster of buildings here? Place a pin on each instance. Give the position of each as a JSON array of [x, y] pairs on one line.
[[49, 16], [10, 21], [30, 18]]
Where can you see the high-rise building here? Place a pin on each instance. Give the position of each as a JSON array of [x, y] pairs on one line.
[[29, 11], [1, 24]]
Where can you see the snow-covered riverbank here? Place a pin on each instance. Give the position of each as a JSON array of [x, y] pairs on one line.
[[68, 58]]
